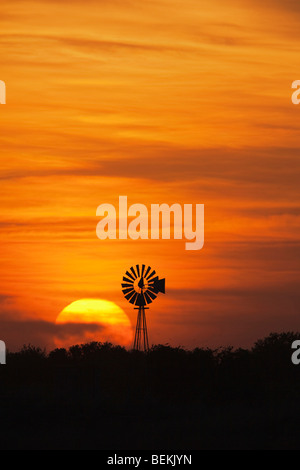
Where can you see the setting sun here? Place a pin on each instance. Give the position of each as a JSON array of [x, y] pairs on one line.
[[113, 324]]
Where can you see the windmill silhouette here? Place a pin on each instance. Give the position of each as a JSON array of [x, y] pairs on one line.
[[140, 287]]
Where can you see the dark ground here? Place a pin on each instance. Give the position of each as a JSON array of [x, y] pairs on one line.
[[97, 396]]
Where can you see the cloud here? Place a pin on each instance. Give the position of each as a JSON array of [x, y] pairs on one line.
[[229, 316], [92, 45], [253, 165], [16, 333], [286, 5], [4, 298]]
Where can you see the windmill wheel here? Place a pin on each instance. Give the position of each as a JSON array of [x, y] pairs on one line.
[[140, 285]]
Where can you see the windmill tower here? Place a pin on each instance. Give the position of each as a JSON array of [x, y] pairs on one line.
[[140, 287]]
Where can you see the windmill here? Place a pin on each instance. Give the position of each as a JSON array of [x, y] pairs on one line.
[[140, 287]]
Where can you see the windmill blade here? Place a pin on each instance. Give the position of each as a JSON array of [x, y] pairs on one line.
[[133, 272], [127, 280], [143, 270], [138, 270], [147, 271], [151, 275], [151, 294], [127, 285], [148, 298], [131, 297], [153, 285], [152, 281], [126, 291], [153, 289], [130, 275], [140, 301]]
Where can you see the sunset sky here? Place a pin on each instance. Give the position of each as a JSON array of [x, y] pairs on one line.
[[166, 102]]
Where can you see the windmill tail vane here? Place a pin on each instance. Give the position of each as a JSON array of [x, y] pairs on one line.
[[140, 287]]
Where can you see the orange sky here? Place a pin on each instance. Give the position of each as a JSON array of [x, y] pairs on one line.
[[162, 101]]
